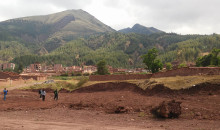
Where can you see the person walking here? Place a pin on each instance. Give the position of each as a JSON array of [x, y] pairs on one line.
[[5, 93], [55, 94], [40, 93], [43, 95]]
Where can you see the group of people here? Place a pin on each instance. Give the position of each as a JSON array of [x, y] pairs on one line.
[[42, 94]]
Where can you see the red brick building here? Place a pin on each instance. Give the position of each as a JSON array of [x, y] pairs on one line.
[[7, 66]]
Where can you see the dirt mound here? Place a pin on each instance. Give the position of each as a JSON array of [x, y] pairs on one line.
[[170, 109], [111, 86], [159, 90], [203, 88], [117, 109], [49, 90], [64, 91]]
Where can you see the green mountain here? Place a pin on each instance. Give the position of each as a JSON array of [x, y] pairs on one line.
[[42, 34], [74, 37], [125, 50], [190, 50], [9, 50], [140, 29]]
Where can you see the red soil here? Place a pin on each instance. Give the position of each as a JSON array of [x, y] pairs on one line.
[[95, 107]]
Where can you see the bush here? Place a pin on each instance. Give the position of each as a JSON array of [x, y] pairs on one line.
[[77, 74], [182, 65], [65, 74], [86, 74], [63, 78], [82, 81], [119, 73], [168, 66]]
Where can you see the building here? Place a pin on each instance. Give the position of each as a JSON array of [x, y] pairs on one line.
[[58, 68], [89, 69], [7, 66]]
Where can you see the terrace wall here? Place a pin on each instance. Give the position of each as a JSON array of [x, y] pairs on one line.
[[186, 71], [10, 78], [119, 77], [9, 82]]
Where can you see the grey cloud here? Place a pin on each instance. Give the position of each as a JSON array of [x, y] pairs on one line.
[[175, 14], [182, 16]]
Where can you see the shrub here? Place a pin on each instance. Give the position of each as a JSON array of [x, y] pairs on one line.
[[65, 74], [182, 65], [168, 66], [77, 74], [86, 74], [82, 81]]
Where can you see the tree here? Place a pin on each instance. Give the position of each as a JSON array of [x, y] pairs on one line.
[[19, 68], [149, 59], [215, 58], [212, 59], [182, 65], [204, 61], [168, 66], [102, 68]]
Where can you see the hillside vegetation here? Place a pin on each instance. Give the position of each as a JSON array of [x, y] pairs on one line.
[[74, 37], [125, 50], [42, 34]]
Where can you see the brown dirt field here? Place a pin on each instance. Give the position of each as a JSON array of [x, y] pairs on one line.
[[94, 107]]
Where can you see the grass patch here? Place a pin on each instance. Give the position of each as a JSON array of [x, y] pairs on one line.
[[141, 114], [181, 82], [61, 84]]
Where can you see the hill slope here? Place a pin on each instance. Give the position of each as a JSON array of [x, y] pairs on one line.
[[39, 32], [122, 50]]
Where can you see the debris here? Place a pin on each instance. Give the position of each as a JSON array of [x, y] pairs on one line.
[[170, 109], [198, 114]]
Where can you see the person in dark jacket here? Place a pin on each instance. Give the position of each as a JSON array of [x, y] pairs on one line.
[[55, 94], [5, 93], [40, 93]]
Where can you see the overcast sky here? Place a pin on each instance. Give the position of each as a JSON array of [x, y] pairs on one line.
[[180, 16]]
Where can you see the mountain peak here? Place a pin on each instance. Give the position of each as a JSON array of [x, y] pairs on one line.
[[137, 25], [65, 25], [140, 29]]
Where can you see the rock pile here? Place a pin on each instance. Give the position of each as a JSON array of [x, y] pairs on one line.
[[167, 109]]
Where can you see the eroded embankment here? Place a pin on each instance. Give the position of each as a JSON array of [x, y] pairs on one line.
[[160, 89], [110, 87]]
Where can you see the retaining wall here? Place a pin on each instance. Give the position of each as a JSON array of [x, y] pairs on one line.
[[185, 71], [188, 71], [9, 82], [118, 77]]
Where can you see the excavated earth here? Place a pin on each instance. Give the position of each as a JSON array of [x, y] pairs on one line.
[[113, 105]]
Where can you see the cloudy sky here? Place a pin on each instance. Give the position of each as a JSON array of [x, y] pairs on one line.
[[180, 16]]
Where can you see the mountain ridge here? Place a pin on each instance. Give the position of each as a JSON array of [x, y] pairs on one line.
[[74, 37], [140, 29], [52, 30]]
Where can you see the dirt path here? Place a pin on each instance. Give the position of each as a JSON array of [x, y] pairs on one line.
[[65, 119], [57, 125]]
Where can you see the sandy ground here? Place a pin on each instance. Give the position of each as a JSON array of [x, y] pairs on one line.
[[93, 109], [65, 119]]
